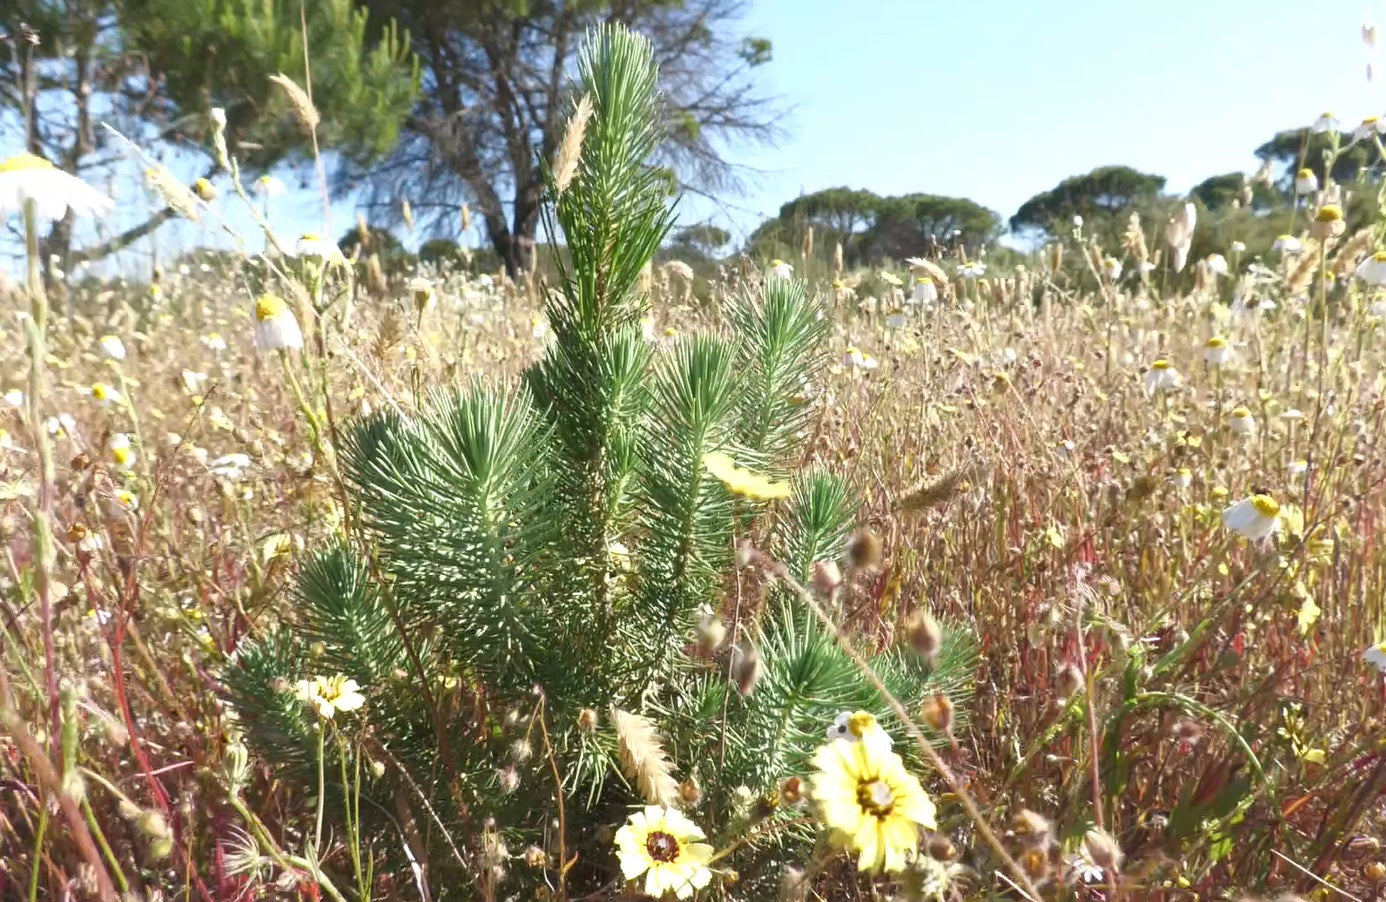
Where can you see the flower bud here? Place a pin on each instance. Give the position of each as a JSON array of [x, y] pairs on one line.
[[792, 791], [508, 778], [1103, 850], [925, 636], [236, 767], [689, 792], [826, 578], [1068, 679], [711, 632], [745, 668], [535, 857], [521, 750], [865, 550], [1374, 871], [938, 713], [587, 720]]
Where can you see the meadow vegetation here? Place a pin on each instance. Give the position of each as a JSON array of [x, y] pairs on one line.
[[1050, 575]]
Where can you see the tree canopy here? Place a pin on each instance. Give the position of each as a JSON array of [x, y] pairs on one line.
[[1103, 193], [1302, 147], [495, 101]]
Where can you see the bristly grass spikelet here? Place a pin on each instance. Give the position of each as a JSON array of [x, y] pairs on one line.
[[643, 758], [565, 162]]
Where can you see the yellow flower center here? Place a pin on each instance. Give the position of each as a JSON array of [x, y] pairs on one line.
[[1371, 120], [1265, 505], [309, 236], [1160, 364], [875, 798], [662, 847], [1304, 174], [1240, 413], [24, 162], [1217, 342], [99, 392], [777, 263], [121, 456], [1329, 213], [924, 280], [269, 305], [1379, 256], [859, 723]]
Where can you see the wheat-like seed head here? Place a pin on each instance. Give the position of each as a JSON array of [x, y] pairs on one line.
[[177, 195], [643, 758], [304, 111], [565, 163]]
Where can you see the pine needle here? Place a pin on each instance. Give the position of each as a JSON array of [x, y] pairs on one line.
[[643, 758], [565, 164]]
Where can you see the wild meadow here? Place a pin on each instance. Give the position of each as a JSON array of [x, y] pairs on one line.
[[951, 578]]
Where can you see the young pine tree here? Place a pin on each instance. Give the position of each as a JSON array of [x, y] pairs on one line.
[[520, 606]]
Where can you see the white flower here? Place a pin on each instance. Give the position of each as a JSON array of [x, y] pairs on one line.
[[1241, 421], [15, 398], [897, 319], [218, 116], [63, 423], [1287, 244], [924, 291], [213, 341], [230, 466], [1237, 247], [1162, 376], [972, 270], [1077, 221], [112, 347], [1373, 269], [122, 452], [328, 695], [1218, 351], [1378, 309], [1306, 182], [1255, 517], [276, 327], [1297, 467], [538, 327], [859, 726], [856, 358], [127, 499], [1216, 263], [780, 270], [25, 178], [1294, 413], [647, 328], [1111, 266], [1183, 478], [1369, 128], [1147, 267], [1326, 122], [103, 394], [269, 186], [1376, 656], [193, 381], [311, 244]]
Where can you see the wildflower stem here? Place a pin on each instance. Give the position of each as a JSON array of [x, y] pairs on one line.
[[105, 846], [39, 836], [322, 786]]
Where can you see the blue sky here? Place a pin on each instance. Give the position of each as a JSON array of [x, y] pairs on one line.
[[997, 100]]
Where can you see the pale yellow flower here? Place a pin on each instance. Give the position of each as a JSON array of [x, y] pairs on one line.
[[870, 802], [664, 845], [743, 482], [328, 695]]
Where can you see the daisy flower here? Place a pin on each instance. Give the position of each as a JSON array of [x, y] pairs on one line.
[[269, 186], [1287, 244], [924, 291], [15, 398], [112, 347], [858, 726], [104, 394], [310, 244], [1162, 376], [127, 500], [1373, 269], [1241, 421], [897, 319], [25, 178], [230, 466], [1217, 351], [664, 846], [1111, 267], [780, 270], [1369, 128], [1255, 517], [276, 328], [855, 358], [328, 695], [1182, 478], [122, 452], [205, 190], [1376, 656], [870, 802], [1306, 182], [741, 481], [1216, 263], [972, 270], [1327, 122], [1328, 221], [213, 342], [538, 327]]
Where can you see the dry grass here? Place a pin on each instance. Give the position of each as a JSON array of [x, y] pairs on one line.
[[1201, 698]]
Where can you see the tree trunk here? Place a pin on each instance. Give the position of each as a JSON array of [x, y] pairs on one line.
[[526, 223]]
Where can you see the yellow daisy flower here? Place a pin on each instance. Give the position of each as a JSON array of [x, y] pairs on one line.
[[663, 844], [743, 482], [870, 802]]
